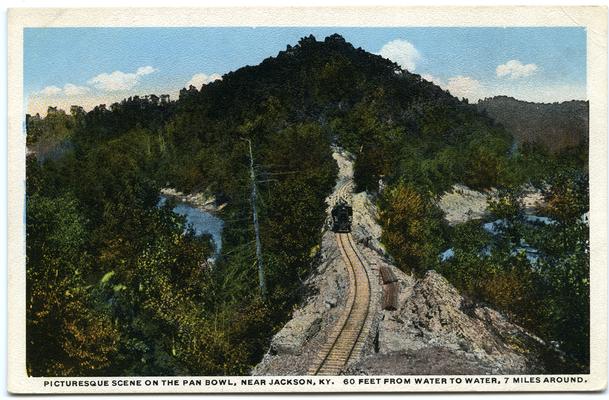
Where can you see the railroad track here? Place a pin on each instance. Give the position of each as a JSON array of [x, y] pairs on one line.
[[344, 192], [348, 336]]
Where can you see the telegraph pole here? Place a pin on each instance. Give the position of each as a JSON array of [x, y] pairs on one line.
[[261, 278]]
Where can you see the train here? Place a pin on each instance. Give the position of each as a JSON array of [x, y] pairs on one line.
[[342, 217]]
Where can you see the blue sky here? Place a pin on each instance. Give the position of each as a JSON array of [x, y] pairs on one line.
[[88, 66]]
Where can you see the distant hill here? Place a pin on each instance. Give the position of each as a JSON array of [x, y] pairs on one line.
[[555, 126]]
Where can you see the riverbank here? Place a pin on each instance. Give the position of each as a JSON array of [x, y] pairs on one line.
[[201, 200], [201, 213]]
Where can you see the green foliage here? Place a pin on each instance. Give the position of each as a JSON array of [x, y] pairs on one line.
[[549, 294], [164, 310], [567, 197], [50, 137], [55, 126], [62, 315], [565, 266], [555, 126], [491, 272], [486, 162], [507, 209], [532, 164], [117, 287], [411, 228]]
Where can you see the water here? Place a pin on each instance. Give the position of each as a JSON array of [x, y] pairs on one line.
[[447, 255], [531, 253], [494, 227], [202, 222], [537, 218]]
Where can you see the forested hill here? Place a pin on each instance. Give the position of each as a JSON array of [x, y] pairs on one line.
[[555, 126], [368, 104], [132, 295]]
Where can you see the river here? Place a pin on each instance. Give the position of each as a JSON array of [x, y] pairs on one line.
[[201, 221]]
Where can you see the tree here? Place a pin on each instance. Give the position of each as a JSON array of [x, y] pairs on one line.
[[63, 315], [411, 229]]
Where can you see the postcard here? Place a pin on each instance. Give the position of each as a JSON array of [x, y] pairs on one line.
[[307, 200]]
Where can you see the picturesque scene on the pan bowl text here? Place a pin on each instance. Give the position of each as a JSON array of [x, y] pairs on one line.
[[306, 201]]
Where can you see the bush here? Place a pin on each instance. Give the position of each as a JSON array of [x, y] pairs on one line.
[[411, 228]]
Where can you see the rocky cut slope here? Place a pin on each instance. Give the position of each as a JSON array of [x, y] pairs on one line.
[[433, 329]]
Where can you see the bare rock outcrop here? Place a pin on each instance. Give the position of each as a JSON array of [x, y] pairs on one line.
[[293, 336], [202, 200], [436, 330], [366, 229], [461, 204]]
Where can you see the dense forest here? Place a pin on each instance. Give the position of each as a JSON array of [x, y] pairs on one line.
[[117, 285], [554, 126]]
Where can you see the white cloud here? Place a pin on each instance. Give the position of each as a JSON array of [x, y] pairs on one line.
[[145, 70], [434, 79], [460, 86], [402, 52], [514, 69], [201, 79], [69, 89], [119, 80], [50, 91], [73, 90], [465, 86], [474, 90]]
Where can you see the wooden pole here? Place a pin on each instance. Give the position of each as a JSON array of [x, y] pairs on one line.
[[261, 277]]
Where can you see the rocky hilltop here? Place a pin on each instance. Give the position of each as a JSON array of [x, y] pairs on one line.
[[434, 330]]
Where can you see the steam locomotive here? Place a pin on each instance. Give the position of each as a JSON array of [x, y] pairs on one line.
[[342, 216]]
